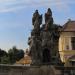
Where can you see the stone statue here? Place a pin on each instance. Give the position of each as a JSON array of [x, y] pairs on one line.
[[42, 43], [34, 40], [36, 21], [36, 16], [35, 50], [48, 19]]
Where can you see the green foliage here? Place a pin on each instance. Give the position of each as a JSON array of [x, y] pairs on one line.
[[19, 55], [4, 60], [3, 56], [12, 56]]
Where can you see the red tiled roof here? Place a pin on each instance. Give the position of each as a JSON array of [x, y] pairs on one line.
[[69, 26]]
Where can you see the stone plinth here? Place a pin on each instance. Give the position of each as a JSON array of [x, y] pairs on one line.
[[27, 70]]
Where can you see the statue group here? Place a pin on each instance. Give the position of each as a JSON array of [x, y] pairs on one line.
[[42, 43]]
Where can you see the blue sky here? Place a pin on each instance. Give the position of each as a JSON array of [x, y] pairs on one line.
[[16, 18]]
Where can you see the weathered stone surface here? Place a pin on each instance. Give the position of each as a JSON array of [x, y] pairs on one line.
[[48, 19], [43, 42], [36, 21], [33, 70], [35, 41]]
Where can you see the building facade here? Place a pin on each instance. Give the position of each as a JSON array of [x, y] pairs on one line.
[[67, 41]]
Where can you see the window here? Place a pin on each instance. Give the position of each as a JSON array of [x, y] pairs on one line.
[[73, 43], [66, 43]]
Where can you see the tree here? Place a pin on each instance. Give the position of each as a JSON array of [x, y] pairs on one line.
[[3, 54], [20, 54], [15, 54], [5, 60], [12, 54]]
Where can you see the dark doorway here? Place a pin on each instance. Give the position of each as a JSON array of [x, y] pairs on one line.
[[46, 55]]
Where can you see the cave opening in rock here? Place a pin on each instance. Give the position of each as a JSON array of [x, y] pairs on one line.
[[46, 55]]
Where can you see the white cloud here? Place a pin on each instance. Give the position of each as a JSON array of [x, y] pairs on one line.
[[12, 9], [14, 5]]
